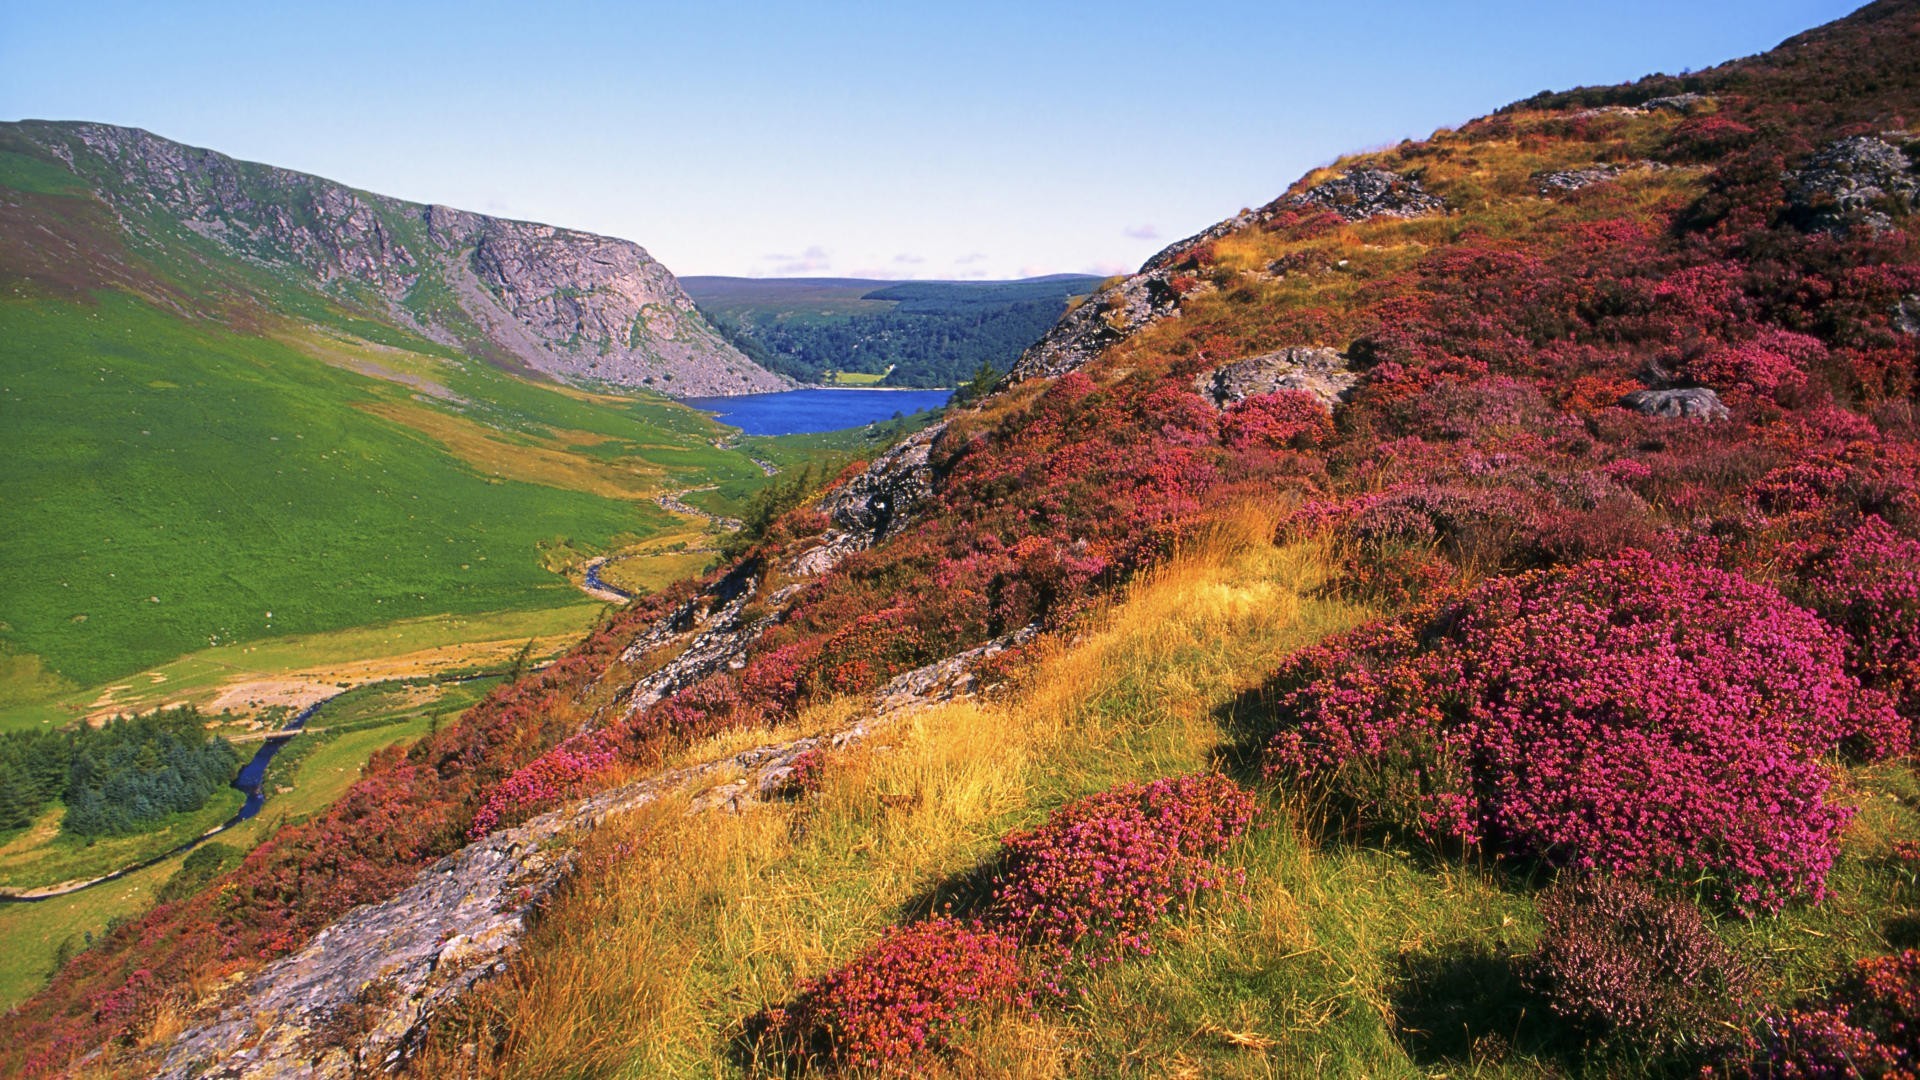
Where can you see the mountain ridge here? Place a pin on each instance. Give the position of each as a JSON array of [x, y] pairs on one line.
[[563, 303]]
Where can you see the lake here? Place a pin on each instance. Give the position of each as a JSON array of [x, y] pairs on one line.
[[795, 412]]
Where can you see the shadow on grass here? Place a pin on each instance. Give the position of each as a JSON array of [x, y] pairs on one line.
[[1464, 1005], [1249, 722]]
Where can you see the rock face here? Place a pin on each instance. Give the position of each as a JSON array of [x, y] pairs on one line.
[[1122, 310], [569, 304], [1107, 317], [879, 500], [1318, 371], [1856, 181], [1693, 403]]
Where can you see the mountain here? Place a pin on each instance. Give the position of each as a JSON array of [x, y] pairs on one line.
[[231, 390], [889, 333], [569, 305], [1459, 616]]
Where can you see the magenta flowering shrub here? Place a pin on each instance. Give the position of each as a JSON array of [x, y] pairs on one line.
[[1868, 584], [1086, 886], [1621, 964], [557, 774], [1626, 716], [909, 993], [1093, 879]]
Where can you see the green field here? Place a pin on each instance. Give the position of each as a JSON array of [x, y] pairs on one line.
[[304, 779], [175, 486]]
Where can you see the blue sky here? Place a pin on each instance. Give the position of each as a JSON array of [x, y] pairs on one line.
[[863, 139]]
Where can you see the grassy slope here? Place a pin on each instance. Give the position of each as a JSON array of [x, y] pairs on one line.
[[1342, 959], [230, 476]]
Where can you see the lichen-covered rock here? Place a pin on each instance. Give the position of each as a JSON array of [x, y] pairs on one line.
[[1858, 181], [884, 497], [1692, 403], [1558, 181], [1684, 104], [1906, 315], [570, 304], [1366, 193], [1321, 372], [1104, 319]]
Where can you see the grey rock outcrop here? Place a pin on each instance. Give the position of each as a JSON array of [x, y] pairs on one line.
[[1560, 181], [569, 304], [1106, 318], [1322, 372], [1122, 310], [1692, 403], [1683, 104], [873, 505], [1906, 315], [1855, 181], [1366, 193]]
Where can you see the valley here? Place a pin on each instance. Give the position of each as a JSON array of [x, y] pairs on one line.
[[1459, 616]]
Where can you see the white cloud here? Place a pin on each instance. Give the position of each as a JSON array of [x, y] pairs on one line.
[[905, 259], [811, 261], [1141, 232]]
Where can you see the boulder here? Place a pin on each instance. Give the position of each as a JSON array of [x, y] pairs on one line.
[[1559, 181], [1854, 181], [1318, 371], [1906, 316], [1365, 193], [1692, 403], [1684, 104]]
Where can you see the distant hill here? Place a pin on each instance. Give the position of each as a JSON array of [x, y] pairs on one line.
[[909, 333]]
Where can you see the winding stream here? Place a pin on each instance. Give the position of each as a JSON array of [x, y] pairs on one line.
[[251, 782]]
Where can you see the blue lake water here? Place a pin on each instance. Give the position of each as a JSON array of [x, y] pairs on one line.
[[793, 412]]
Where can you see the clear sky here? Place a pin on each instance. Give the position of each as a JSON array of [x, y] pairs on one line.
[[902, 139]]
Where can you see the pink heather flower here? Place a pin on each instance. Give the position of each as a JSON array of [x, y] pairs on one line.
[[1626, 715]]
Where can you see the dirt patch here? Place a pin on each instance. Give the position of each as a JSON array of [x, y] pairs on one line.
[[249, 693]]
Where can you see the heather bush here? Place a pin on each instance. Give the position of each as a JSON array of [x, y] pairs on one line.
[[1868, 1026], [1622, 965], [909, 993], [1627, 716], [1868, 584], [1092, 880]]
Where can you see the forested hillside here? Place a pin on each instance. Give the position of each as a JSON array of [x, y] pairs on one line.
[[914, 333]]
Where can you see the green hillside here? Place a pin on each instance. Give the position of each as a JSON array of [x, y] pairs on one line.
[[205, 450]]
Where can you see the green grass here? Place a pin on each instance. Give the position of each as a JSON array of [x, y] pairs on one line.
[[173, 482], [303, 780], [859, 378], [41, 855]]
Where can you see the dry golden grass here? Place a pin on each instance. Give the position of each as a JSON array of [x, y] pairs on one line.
[[681, 926], [549, 462]]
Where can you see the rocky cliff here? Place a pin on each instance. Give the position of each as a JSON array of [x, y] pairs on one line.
[[571, 305]]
